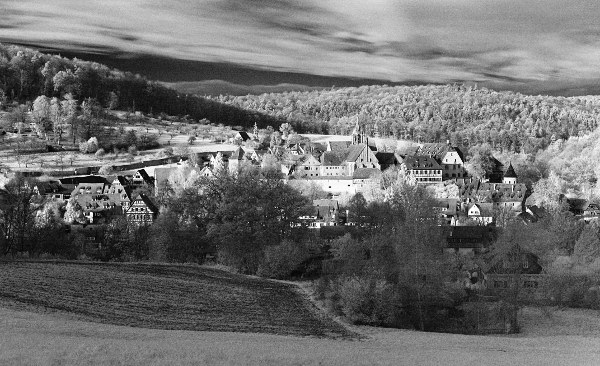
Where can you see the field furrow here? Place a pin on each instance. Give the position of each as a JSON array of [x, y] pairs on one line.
[[164, 297]]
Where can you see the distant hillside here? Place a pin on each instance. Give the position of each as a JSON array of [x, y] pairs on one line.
[[465, 115], [26, 74], [220, 87]]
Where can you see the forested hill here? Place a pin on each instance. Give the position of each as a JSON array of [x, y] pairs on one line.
[[26, 74], [465, 115]]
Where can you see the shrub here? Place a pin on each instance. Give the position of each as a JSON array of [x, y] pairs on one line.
[[132, 150], [105, 170], [90, 146], [167, 151], [279, 261], [100, 153], [371, 301]]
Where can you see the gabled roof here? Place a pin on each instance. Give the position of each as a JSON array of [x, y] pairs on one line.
[[122, 180], [243, 135], [151, 206], [510, 172], [354, 152], [308, 159], [146, 177], [237, 154], [419, 162]]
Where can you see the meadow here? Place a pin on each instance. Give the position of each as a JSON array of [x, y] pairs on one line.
[[66, 313]]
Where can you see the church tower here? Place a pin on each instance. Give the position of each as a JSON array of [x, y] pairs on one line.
[[510, 177], [255, 132], [358, 136]]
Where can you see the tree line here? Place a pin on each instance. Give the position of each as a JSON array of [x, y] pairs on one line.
[[465, 115]]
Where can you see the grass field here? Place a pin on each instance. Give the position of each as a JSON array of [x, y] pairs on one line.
[[53, 314], [164, 297]]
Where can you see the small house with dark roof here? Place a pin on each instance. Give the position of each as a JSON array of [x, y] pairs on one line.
[[590, 213], [324, 212], [424, 168], [141, 178], [481, 213], [241, 136], [235, 159], [308, 167], [447, 209], [450, 158], [469, 239], [510, 177], [141, 212], [52, 190]]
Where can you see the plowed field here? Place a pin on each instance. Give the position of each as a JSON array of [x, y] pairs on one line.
[[164, 297]]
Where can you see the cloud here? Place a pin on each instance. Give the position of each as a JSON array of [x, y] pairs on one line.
[[396, 40]]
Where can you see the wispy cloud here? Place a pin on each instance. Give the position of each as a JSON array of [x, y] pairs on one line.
[[396, 40]]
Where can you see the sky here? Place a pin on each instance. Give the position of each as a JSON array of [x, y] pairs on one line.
[[535, 45]]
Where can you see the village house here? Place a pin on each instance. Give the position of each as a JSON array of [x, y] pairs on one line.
[[324, 212], [424, 168], [450, 159], [101, 200], [142, 179], [52, 190], [308, 167], [141, 212], [481, 213], [469, 240]]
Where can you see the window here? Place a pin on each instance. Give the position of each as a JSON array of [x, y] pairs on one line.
[[525, 262]]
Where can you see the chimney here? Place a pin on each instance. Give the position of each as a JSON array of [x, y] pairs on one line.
[[448, 142]]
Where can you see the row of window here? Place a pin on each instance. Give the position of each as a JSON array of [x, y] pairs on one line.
[[427, 172]]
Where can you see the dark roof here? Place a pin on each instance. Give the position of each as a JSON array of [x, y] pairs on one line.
[[122, 180], [437, 149], [84, 179], [354, 152], [469, 236], [421, 162], [146, 177], [510, 172], [237, 154], [50, 187], [151, 206], [386, 158], [491, 192], [449, 204], [408, 151], [331, 158], [366, 173], [244, 135]]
